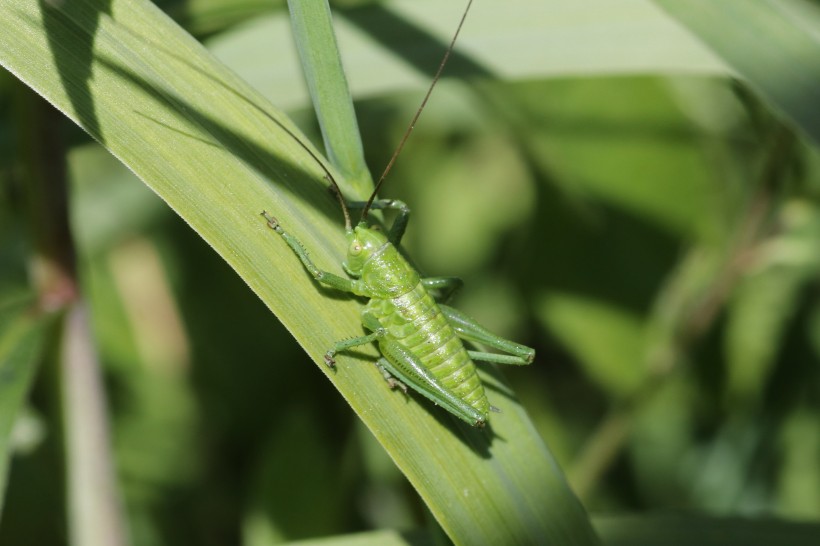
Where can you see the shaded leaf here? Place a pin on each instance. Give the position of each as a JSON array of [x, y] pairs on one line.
[[22, 335], [772, 44]]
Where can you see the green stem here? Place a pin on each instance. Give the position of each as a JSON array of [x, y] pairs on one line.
[[327, 83]]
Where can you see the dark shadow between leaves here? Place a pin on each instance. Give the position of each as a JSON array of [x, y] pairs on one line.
[[499, 384], [62, 18], [414, 45]]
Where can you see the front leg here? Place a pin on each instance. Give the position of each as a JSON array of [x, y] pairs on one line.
[[324, 277]]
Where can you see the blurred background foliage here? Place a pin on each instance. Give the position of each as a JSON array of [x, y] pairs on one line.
[[655, 238]]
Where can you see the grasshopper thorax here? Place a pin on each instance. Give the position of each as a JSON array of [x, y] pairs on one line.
[[362, 243], [384, 273]]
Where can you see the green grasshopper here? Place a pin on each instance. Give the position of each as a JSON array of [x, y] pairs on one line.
[[418, 337]]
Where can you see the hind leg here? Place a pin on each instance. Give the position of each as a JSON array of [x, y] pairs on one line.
[[467, 328]]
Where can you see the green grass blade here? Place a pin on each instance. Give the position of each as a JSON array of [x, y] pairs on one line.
[[773, 44], [322, 67], [22, 335], [703, 531], [209, 146]]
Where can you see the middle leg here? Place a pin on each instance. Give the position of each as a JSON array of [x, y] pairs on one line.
[[444, 287], [376, 332]]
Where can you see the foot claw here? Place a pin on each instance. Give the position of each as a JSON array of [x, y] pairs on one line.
[[329, 360], [394, 384], [530, 357], [273, 223]]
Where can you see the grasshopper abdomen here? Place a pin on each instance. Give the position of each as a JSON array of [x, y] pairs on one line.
[[416, 322]]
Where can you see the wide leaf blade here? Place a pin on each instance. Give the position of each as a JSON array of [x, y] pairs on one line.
[[214, 151]]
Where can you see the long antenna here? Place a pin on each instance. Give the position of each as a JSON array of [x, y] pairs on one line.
[[334, 187], [418, 113]]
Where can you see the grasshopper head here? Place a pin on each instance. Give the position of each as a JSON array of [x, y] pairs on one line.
[[362, 243]]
